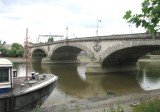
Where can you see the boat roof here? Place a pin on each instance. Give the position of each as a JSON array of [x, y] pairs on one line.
[[5, 62]]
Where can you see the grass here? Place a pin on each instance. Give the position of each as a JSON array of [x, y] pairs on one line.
[[144, 106], [116, 108], [148, 106]]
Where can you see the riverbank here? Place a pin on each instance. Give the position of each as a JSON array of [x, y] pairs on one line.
[[103, 104], [17, 60], [80, 59], [85, 59]]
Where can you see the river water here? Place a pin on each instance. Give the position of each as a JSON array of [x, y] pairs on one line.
[[74, 83]]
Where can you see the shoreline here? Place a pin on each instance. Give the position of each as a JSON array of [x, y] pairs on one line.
[[17, 60], [104, 104], [150, 58]]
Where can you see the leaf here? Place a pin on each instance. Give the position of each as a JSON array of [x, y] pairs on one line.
[[127, 15], [151, 29], [144, 24], [138, 23], [149, 18]]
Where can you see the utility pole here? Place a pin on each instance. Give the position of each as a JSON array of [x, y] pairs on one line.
[[26, 54], [67, 33], [97, 26]]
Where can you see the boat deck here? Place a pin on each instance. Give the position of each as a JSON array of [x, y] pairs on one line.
[[21, 85]]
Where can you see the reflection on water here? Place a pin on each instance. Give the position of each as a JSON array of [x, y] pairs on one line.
[[149, 75], [74, 83]]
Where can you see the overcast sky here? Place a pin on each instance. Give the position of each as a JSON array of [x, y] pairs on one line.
[[43, 17]]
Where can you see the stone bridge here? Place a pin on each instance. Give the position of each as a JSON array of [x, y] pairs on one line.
[[104, 51]]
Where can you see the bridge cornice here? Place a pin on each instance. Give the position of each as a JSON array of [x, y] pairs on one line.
[[137, 36]]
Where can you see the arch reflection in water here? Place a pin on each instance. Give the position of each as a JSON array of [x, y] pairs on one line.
[[81, 71], [149, 75], [74, 83]]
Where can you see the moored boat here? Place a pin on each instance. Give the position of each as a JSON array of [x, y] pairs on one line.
[[18, 94]]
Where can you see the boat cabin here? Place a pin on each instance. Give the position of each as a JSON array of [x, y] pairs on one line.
[[6, 77]]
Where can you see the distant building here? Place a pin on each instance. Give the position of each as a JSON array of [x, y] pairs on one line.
[[44, 38]]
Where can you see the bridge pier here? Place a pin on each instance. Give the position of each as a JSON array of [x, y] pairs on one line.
[[46, 60], [94, 67]]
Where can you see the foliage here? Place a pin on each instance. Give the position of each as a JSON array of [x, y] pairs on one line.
[[50, 39], [20, 53], [3, 50], [12, 52], [16, 50], [16, 46], [148, 106], [149, 18]]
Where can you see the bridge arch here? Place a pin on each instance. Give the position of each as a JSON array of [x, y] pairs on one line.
[[127, 53], [69, 52], [38, 53]]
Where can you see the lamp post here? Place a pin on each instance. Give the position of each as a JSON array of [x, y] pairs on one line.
[[97, 26], [66, 41], [97, 47], [67, 33], [131, 27]]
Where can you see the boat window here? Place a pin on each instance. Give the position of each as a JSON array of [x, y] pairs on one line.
[[4, 74]]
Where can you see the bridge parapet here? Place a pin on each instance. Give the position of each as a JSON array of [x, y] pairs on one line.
[[109, 37]]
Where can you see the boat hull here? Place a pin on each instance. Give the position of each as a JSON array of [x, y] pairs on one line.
[[27, 100]]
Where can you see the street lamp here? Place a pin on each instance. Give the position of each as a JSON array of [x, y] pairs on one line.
[[67, 33], [66, 41], [97, 26], [97, 47], [131, 27]]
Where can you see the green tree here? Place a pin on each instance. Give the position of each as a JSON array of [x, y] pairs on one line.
[[12, 52], [3, 50], [149, 18], [16, 50], [50, 39], [20, 53], [17, 46]]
